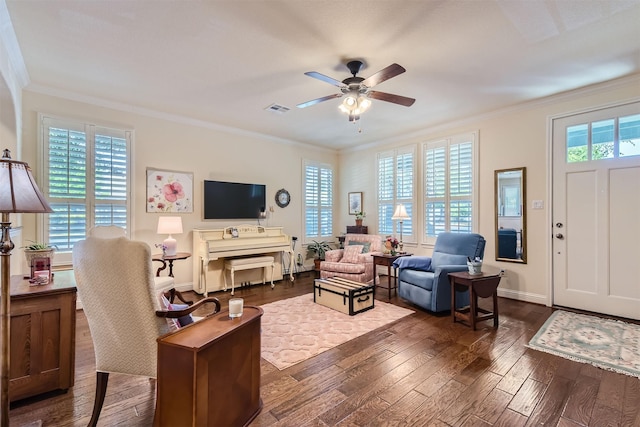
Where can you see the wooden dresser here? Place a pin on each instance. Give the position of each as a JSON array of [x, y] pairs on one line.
[[357, 229], [43, 336], [209, 372]]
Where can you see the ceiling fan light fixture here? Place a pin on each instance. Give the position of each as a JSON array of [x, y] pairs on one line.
[[354, 105]]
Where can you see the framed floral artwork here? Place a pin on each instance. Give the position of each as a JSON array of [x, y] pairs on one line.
[[169, 191]]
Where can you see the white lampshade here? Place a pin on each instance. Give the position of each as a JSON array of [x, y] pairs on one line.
[[400, 213], [170, 225]]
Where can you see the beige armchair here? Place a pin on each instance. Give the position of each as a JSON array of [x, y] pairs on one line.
[[115, 281], [354, 262]]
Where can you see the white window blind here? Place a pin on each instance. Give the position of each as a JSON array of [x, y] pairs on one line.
[[396, 184], [86, 180], [449, 186], [318, 201]]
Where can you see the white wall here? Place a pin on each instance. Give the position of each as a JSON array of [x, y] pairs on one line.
[[207, 152], [513, 138]]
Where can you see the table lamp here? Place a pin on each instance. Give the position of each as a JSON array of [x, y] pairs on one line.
[[170, 225], [19, 193], [400, 214]]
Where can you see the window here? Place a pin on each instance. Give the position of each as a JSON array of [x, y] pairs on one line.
[[86, 180], [318, 201], [396, 172], [604, 139], [449, 186]]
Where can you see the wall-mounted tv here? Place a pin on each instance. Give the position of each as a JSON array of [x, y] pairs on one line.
[[233, 200]]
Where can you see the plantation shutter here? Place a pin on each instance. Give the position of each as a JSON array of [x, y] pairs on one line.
[[318, 200], [449, 186], [86, 180], [396, 172]]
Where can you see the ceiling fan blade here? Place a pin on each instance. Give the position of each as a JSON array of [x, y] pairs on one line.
[[318, 100], [384, 74], [389, 97], [324, 78]]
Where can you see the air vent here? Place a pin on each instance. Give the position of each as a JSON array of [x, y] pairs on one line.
[[278, 109]]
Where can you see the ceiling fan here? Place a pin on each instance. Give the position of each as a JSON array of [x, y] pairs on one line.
[[358, 89]]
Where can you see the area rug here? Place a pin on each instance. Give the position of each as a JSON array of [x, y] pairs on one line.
[[296, 329], [605, 343]]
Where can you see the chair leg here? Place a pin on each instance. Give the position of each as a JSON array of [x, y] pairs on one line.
[[102, 378]]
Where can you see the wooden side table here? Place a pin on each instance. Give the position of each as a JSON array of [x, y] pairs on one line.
[[170, 258], [483, 285], [387, 260], [209, 372], [43, 335]]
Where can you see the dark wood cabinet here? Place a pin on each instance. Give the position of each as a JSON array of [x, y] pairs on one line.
[[357, 229], [43, 336], [209, 372]]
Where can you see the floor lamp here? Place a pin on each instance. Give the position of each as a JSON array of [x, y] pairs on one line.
[[19, 193], [400, 215]]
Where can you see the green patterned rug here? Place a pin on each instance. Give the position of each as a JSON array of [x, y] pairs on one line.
[[605, 343]]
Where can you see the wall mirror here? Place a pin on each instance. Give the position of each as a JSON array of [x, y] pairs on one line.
[[511, 224]]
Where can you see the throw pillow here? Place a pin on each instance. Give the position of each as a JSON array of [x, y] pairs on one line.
[[351, 253], [366, 246], [184, 320], [181, 321]]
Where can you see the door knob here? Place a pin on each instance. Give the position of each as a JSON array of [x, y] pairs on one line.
[[559, 236]]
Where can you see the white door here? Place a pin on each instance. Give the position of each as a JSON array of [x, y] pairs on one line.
[[596, 211]]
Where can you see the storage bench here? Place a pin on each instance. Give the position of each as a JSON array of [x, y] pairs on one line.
[[344, 295], [236, 264]]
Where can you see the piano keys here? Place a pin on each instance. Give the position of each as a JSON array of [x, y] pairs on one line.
[[212, 246]]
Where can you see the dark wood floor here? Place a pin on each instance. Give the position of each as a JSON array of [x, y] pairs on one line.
[[422, 370]]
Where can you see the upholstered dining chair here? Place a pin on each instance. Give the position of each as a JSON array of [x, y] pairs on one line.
[[115, 281]]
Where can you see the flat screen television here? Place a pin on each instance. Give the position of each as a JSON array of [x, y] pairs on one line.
[[233, 200]]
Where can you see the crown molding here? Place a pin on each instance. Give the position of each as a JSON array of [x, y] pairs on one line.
[[175, 118]]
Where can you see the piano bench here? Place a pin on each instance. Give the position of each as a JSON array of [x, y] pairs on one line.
[[237, 264]]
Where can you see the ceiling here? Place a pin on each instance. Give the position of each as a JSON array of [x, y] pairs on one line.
[[226, 62]]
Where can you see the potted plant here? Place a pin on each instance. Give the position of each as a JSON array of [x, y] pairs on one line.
[[359, 217], [38, 250], [317, 251]]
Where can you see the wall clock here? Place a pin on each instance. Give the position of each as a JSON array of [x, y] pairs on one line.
[[283, 198]]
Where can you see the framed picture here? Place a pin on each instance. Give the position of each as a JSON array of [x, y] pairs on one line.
[[355, 202], [169, 191]]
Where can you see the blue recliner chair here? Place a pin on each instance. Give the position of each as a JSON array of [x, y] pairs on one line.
[[424, 281]]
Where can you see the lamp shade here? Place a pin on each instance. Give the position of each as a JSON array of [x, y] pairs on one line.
[[400, 213], [19, 192], [169, 225]]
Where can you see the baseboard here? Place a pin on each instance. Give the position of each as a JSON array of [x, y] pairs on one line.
[[522, 296]]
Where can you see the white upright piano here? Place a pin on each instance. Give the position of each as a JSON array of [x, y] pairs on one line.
[[212, 246]]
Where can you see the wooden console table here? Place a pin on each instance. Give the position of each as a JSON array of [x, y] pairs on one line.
[[43, 335], [209, 372]]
